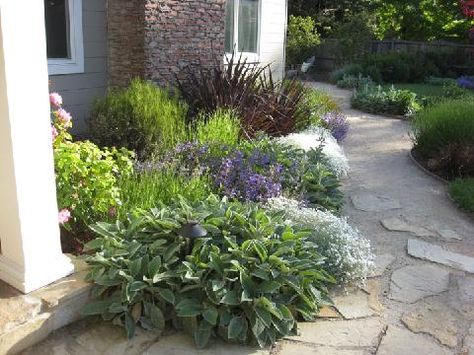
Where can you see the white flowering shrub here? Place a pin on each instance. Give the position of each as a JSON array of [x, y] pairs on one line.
[[315, 137], [348, 255]]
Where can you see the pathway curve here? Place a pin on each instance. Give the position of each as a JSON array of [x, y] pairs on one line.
[[412, 306]]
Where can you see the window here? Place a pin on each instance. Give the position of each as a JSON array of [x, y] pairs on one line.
[[65, 48], [242, 26]]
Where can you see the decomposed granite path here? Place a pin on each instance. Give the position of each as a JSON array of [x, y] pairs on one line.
[[420, 300]]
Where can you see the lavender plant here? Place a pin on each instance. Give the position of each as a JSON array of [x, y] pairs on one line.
[[337, 123]]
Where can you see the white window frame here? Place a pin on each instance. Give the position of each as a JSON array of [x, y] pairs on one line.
[[75, 64], [250, 56]]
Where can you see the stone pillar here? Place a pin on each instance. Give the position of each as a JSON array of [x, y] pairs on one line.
[[29, 234]]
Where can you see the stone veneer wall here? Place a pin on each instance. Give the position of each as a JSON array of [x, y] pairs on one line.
[[156, 39], [125, 47]]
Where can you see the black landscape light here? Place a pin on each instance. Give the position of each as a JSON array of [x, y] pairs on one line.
[[191, 231]]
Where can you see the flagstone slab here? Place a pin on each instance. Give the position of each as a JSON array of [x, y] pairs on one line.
[[412, 283], [396, 224], [374, 203], [426, 319], [293, 348], [382, 262], [449, 235], [354, 305], [468, 342], [435, 253], [328, 312], [341, 333], [398, 341], [462, 296]]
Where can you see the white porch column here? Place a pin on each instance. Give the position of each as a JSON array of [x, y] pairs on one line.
[[29, 234]]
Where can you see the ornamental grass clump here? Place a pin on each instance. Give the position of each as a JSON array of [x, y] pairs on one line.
[[348, 256], [247, 281], [318, 103], [142, 117], [276, 108], [221, 126], [443, 136]]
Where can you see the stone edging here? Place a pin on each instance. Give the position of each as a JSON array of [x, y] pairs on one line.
[[426, 171], [440, 179]]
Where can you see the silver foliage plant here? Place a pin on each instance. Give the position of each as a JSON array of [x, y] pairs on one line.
[[348, 255]]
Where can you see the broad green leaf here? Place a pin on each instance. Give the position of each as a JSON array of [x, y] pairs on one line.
[[211, 315], [268, 286], [231, 298], [97, 307], [202, 334], [264, 315], [236, 326], [188, 308], [156, 316], [167, 295], [154, 266], [129, 326]]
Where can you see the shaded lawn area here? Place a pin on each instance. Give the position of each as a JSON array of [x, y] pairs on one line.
[[420, 89]]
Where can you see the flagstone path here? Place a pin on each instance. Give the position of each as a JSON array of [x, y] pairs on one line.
[[420, 299]]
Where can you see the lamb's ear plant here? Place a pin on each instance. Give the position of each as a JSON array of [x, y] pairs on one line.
[[247, 281]]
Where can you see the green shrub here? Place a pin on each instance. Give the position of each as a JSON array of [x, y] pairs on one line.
[[375, 99], [247, 281], [347, 70], [354, 37], [462, 191], [142, 117], [146, 188], [221, 126], [444, 135], [302, 39], [353, 82], [433, 80], [319, 103]]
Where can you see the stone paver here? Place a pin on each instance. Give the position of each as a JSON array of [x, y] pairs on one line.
[[434, 318], [374, 203], [293, 348], [468, 342], [412, 283], [382, 262], [340, 333], [400, 341], [354, 305], [449, 235], [435, 253], [399, 225]]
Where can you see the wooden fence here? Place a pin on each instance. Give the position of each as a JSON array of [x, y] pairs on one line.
[[328, 53]]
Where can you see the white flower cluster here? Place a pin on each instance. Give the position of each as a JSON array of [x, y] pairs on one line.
[[348, 255], [313, 138]]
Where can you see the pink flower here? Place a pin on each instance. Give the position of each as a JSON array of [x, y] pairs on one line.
[[64, 116], [55, 99], [64, 215], [54, 133]]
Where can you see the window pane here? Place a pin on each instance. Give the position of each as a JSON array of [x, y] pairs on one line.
[[248, 26], [229, 26], [57, 28]]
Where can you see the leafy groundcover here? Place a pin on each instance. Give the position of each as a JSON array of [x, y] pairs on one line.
[[248, 281]]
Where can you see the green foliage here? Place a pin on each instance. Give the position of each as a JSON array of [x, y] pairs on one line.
[[375, 99], [222, 126], [144, 190], [302, 39], [436, 81], [86, 179], [346, 70], [262, 104], [462, 191], [142, 117], [422, 20], [444, 134], [353, 82], [354, 37], [247, 281], [319, 103]]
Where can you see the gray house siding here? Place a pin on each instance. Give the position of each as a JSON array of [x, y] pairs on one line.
[[80, 90]]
